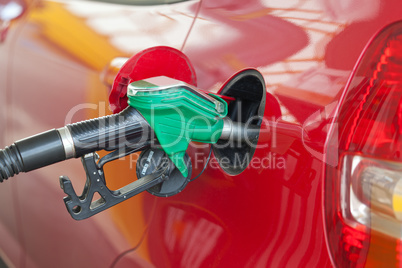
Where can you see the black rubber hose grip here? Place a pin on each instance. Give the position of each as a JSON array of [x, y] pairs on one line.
[[10, 162], [124, 130]]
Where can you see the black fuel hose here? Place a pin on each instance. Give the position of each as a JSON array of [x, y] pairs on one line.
[[123, 130]]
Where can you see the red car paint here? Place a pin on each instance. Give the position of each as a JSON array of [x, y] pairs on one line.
[[268, 216]]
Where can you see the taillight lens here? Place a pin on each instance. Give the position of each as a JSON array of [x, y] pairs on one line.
[[363, 193]]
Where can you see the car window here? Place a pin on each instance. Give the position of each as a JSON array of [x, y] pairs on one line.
[[142, 2]]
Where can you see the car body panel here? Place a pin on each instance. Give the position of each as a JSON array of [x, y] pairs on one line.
[[268, 216], [55, 51]]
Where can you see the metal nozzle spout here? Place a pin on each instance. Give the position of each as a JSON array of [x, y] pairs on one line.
[[239, 131]]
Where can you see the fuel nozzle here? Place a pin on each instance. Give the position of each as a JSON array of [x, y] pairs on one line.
[[175, 112], [178, 113]]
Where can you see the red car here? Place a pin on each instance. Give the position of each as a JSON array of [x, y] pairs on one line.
[[321, 79]]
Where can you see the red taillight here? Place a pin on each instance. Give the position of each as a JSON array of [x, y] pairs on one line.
[[363, 193]]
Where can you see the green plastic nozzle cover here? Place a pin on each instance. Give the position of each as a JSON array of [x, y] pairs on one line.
[[178, 113]]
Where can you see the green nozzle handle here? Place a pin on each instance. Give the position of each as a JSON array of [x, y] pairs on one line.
[[178, 113]]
